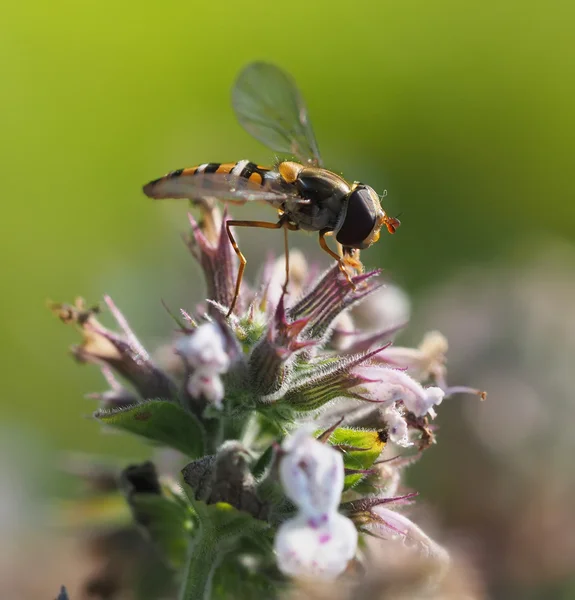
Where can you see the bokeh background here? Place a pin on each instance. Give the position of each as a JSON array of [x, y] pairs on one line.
[[462, 111]]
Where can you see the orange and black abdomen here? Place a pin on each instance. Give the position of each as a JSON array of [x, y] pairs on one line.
[[243, 168], [183, 184]]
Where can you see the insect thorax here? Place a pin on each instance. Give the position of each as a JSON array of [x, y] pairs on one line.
[[326, 192]]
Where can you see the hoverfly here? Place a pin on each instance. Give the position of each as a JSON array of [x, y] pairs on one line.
[[269, 106]]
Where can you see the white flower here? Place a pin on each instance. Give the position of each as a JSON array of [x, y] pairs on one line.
[[378, 386], [392, 525], [204, 351], [423, 404], [387, 386], [311, 473], [308, 548], [318, 542], [205, 385], [386, 308], [397, 427], [423, 362]]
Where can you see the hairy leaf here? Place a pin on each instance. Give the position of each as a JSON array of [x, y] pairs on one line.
[[162, 422]]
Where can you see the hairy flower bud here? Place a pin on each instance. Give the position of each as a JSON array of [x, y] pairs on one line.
[[122, 353], [115, 397], [330, 297], [270, 362], [226, 477], [217, 260]]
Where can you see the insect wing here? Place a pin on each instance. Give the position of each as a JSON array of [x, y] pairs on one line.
[[269, 107], [223, 187]]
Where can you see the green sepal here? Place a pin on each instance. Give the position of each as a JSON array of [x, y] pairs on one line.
[[162, 422], [360, 449]]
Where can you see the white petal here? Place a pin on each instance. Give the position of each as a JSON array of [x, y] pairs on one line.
[[395, 526], [421, 405], [421, 363], [322, 551], [390, 385], [397, 427], [312, 474], [206, 385], [205, 348], [379, 387]]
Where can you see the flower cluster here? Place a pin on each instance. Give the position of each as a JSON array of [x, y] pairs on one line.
[[310, 368]]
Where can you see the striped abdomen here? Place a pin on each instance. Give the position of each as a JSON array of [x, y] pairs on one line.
[[189, 183], [243, 168]]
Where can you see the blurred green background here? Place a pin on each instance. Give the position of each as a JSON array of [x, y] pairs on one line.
[[463, 111]]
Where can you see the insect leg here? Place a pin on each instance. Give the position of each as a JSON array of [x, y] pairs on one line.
[[286, 252], [242, 258], [337, 257], [350, 257]]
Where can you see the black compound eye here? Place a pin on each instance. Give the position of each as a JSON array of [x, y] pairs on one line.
[[359, 220]]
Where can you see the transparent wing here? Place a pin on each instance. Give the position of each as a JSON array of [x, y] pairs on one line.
[[230, 188], [269, 107]]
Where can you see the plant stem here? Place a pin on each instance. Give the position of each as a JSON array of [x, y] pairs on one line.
[[203, 558]]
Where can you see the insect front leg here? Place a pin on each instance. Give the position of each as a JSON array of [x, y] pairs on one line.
[[350, 257], [340, 261], [241, 257]]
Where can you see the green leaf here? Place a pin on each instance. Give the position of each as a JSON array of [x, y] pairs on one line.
[[223, 520], [360, 449], [241, 581], [221, 530], [168, 523], [162, 422]]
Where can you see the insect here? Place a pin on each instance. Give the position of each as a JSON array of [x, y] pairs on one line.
[[307, 196]]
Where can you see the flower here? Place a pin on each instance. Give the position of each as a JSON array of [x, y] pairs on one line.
[[308, 353], [311, 474], [305, 548], [422, 363], [397, 427], [318, 541], [387, 386], [391, 525], [204, 350], [119, 352]]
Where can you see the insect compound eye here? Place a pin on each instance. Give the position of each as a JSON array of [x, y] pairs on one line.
[[360, 218]]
